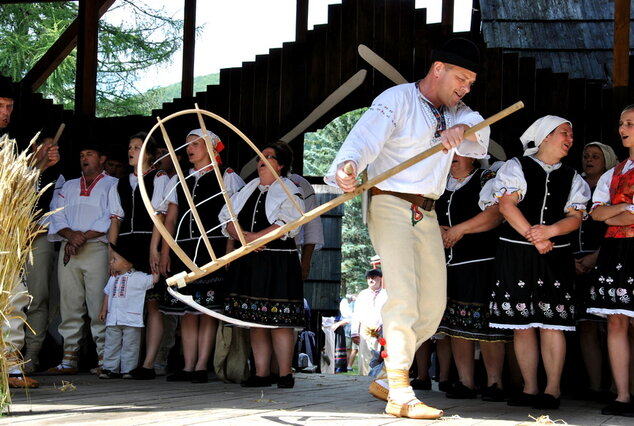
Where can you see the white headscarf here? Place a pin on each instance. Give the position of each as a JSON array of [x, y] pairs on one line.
[[608, 154], [199, 132], [538, 131]]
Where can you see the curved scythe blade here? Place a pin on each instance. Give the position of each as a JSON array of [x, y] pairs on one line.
[[384, 67], [333, 99], [188, 300]]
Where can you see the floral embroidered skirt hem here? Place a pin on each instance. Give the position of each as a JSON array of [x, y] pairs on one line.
[[466, 315], [583, 283], [532, 289], [207, 291], [266, 288], [612, 292]]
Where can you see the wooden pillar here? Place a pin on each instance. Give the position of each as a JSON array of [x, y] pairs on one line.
[[621, 43], [86, 78], [189, 44], [446, 23], [301, 21], [54, 56]]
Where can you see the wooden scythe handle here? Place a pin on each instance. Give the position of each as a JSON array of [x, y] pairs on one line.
[[183, 278]]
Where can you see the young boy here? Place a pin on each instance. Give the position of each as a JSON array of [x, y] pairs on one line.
[[123, 313]]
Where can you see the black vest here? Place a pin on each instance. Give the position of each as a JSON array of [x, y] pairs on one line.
[[136, 218], [545, 198], [454, 207], [206, 193], [252, 218]]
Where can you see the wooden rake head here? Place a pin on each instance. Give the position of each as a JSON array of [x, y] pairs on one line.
[[196, 271]]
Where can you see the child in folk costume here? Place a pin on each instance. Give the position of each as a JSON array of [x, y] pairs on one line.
[[542, 201], [198, 331], [122, 311], [613, 291]]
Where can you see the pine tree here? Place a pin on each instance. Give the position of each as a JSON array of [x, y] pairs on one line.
[[145, 37], [320, 149]]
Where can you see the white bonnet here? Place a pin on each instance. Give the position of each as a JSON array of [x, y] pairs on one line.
[[538, 131], [608, 154]]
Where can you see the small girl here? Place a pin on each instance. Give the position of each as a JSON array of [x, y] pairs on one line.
[[122, 312]]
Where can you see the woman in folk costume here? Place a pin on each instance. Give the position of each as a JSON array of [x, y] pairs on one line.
[[543, 201], [265, 286], [613, 291], [198, 331], [597, 159], [470, 237], [138, 233]]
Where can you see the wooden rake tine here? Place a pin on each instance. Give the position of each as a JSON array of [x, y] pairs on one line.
[[212, 155], [183, 278]]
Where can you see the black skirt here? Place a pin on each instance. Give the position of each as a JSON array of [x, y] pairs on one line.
[[532, 289], [613, 289], [208, 291], [266, 288], [468, 290]]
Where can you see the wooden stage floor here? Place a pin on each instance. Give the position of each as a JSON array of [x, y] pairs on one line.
[[316, 400]]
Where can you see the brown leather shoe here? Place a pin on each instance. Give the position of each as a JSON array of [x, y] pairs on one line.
[[379, 391], [419, 410], [22, 382], [60, 370]]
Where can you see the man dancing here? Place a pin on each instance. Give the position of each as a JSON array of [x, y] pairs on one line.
[[402, 122]]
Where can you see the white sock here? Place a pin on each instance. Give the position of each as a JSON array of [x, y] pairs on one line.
[[403, 396]]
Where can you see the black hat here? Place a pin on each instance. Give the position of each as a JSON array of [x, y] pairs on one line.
[[461, 52], [373, 273], [126, 253], [6, 88], [92, 144]]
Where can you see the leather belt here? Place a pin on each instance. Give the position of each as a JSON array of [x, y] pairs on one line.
[[424, 203]]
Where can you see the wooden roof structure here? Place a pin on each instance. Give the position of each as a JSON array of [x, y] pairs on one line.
[[570, 36]]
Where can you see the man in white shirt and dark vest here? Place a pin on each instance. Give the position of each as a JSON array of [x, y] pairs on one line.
[[402, 122], [89, 205]]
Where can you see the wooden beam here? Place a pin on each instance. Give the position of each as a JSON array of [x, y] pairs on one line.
[[446, 23], [189, 44], [301, 20], [620, 70], [31, 1], [86, 77], [65, 44]]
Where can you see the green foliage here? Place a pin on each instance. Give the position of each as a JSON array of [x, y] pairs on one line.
[[320, 149], [143, 37], [154, 98]]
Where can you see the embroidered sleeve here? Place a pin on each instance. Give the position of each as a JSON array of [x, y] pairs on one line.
[[366, 139], [161, 182], [478, 149], [508, 180], [579, 195], [286, 213], [233, 182], [114, 204], [601, 195]]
